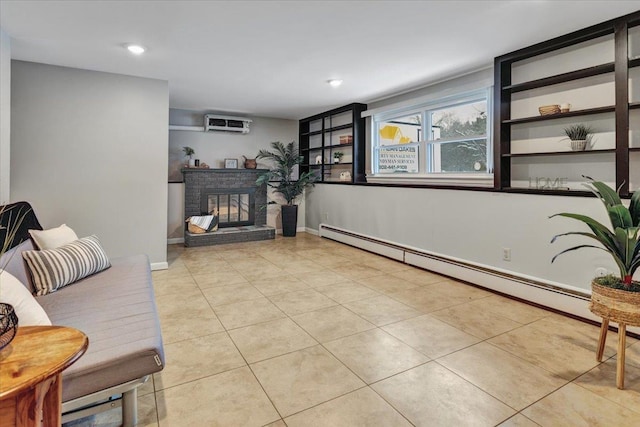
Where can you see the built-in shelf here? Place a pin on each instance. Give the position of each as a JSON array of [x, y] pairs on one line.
[[329, 164], [333, 129], [585, 112], [634, 105], [540, 191], [635, 62], [558, 153], [339, 145], [190, 128], [561, 78], [634, 149]]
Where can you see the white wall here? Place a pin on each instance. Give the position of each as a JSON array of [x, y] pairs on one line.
[[89, 149], [212, 148], [5, 115]]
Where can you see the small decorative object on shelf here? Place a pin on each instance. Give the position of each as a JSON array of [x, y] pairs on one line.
[[231, 163], [337, 157], [615, 298], [189, 152], [8, 324], [580, 136], [345, 176], [565, 108], [318, 159], [250, 163], [346, 139], [547, 110]]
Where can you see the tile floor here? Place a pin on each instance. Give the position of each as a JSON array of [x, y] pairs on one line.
[[308, 332]]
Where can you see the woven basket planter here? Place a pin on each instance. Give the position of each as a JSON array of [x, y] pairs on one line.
[[616, 305]]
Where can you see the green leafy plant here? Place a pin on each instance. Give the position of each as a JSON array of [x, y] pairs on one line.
[[338, 155], [280, 176], [578, 132], [13, 217], [621, 240], [188, 151]]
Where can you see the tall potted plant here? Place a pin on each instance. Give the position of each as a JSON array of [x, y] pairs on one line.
[[280, 178], [614, 297]]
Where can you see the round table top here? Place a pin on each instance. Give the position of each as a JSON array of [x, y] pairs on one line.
[[37, 353]]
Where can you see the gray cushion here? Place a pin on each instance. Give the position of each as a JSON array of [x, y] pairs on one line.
[[12, 262], [116, 309]]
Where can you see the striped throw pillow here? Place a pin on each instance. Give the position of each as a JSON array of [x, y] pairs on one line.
[[52, 269]]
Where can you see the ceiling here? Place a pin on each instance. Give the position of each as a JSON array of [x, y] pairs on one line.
[[273, 58]]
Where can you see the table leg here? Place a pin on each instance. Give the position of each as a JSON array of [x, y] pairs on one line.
[[622, 337], [603, 338], [52, 406]]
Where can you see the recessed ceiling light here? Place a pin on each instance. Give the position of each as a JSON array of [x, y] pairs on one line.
[[335, 82], [136, 49]]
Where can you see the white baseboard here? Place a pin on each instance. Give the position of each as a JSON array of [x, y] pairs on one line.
[[175, 240], [311, 231], [159, 266], [548, 294]]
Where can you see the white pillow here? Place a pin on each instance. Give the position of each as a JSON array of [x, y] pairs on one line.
[[29, 312], [53, 238]]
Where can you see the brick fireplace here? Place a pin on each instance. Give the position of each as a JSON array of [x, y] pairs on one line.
[[234, 195]]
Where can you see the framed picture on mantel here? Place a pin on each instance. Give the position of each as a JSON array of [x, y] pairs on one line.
[[231, 163]]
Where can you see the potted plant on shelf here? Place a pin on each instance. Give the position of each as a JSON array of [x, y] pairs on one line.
[[337, 156], [614, 298], [580, 136], [280, 178], [189, 152]]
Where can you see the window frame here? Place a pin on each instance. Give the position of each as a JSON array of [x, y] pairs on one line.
[[427, 146]]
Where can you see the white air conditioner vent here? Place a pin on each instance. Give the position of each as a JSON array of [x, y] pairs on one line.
[[213, 122]]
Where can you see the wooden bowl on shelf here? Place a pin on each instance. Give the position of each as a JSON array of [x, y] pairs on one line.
[[546, 110]]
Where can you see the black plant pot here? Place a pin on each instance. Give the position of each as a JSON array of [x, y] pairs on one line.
[[289, 220]]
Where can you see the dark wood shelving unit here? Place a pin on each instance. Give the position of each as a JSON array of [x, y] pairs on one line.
[[558, 153], [504, 88], [634, 149], [323, 128], [550, 192], [561, 78], [585, 112]]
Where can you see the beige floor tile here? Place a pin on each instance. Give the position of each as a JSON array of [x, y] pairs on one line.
[[174, 285], [221, 278], [147, 387], [186, 315], [504, 376], [428, 299], [247, 313], [278, 423], [511, 309], [430, 336], [386, 265], [420, 277], [374, 354], [197, 358], [304, 266], [229, 294], [361, 408], [232, 398], [321, 278], [632, 354], [459, 289], [356, 271], [518, 420], [601, 380], [279, 285], [382, 310], [573, 405], [387, 283], [330, 261], [300, 380], [331, 323], [430, 395], [299, 302], [562, 355], [482, 324], [269, 339], [347, 292]]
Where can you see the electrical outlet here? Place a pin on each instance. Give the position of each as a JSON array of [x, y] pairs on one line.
[[600, 272], [326, 216], [506, 254]]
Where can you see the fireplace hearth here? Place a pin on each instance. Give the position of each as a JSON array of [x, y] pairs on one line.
[[233, 194]]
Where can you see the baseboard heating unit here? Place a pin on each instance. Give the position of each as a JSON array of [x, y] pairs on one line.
[[546, 294]]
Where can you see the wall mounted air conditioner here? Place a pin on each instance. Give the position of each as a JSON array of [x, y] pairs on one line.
[[214, 122]]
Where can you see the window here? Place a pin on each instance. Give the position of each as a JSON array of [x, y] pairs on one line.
[[446, 138]]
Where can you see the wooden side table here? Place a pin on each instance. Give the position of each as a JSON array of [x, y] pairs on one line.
[[30, 374]]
